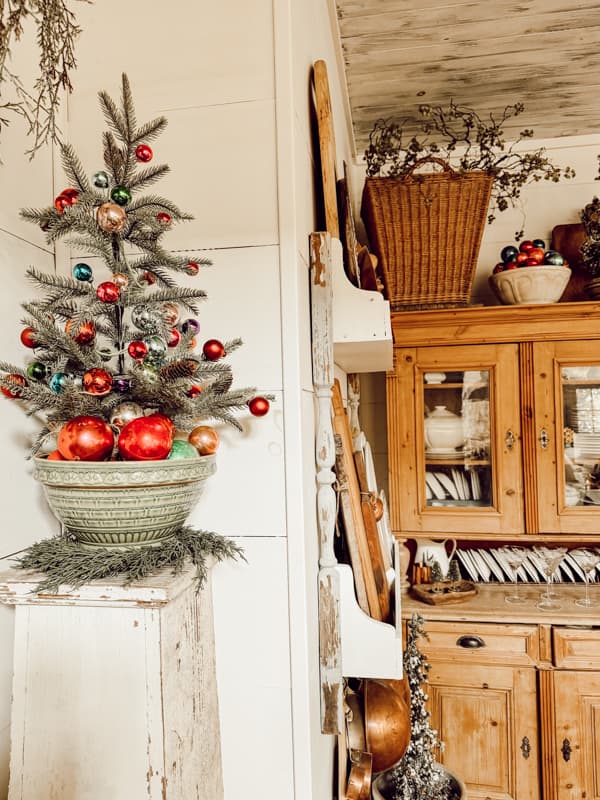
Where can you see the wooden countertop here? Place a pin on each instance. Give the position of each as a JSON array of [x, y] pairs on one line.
[[489, 606]]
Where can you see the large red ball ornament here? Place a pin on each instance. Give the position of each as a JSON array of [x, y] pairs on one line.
[[55, 456], [97, 382], [68, 197], [86, 333], [167, 421], [537, 253], [17, 380], [526, 245], [145, 439], [108, 292], [163, 217], [259, 406], [143, 153], [85, 438], [137, 349], [28, 337], [205, 439], [71, 195], [213, 350]]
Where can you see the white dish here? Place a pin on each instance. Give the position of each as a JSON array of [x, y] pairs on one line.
[[428, 492], [492, 564], [482, 568], [435, 486], [464, 559], [566, 569], [570, 558], [444, 452], [475, 485], [459, 484], [435, 377], [447, 484], [531, 570], [466, 487], [500, 557]]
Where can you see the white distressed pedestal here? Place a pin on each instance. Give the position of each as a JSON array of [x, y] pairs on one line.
[[114, 691]]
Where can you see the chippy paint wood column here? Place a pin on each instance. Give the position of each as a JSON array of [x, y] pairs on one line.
[[114, 691]]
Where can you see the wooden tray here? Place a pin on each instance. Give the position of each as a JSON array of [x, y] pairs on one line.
[[437, 594]]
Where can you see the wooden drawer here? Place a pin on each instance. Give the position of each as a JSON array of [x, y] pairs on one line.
[[481, 643], [576, 648]]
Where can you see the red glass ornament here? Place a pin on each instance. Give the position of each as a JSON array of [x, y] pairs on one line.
[[192, 268], [28, 337], [205, 439], [163, 217], [498, 268], [148, 279], [108, 292], [145, 439], [174, 338], [532, 262], [86, 333], [521, 258], [71, 195], [165, 421], [194, 391], [18, 380], [213, 350], [85, 438], [526, 245], [97, 382], [537, 253], [511, 265], [137, 349], [55, 456], [143, 153], [60, 203], [259, 406]]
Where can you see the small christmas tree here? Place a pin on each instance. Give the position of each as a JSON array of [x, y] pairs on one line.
[[417, 777], [117, 355]]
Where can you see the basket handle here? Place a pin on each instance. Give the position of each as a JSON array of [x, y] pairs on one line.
[[431, 160]]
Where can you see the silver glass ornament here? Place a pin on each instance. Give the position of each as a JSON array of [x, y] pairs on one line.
[[143, 318], [124, 413]]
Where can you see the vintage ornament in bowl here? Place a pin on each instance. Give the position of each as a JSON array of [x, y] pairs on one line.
[[543, 283], [444, 431], [123, 503]]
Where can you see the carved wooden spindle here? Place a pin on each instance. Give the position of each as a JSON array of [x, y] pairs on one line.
[[353, 404]]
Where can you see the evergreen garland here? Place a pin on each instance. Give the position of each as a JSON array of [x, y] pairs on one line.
[[66, 562]]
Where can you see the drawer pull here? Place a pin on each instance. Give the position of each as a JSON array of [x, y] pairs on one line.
[[544, 439], [566, 750], [509, 440], [525, 747], [470, 642]]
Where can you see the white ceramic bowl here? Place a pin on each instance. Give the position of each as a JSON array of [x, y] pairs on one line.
[[542, 284]]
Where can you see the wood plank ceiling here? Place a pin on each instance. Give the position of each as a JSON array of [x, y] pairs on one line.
[[482, 53]]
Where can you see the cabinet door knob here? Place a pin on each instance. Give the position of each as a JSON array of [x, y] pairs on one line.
[[544, 439], [509, 439], [525, 747], [566, 750], [470, 642]]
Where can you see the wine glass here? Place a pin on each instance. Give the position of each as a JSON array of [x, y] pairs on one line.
[[588, 560], [550, 558], [515, 558]]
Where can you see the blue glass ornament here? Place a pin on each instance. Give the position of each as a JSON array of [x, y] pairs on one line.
[[100, 180], [508, 253], [82, 272], [539, 243], [58, 381], [190, 326]]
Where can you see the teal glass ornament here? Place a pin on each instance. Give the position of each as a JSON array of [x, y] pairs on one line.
[[120, 195], [37, 371], [82, 272], [100, 179], [554, 258], [182, 449], [58, 381]]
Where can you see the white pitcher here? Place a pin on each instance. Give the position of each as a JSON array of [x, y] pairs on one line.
[[429, 551]]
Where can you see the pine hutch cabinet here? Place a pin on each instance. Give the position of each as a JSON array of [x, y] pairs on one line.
[[515, 691]]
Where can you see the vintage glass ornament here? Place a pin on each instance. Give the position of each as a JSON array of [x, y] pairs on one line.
[[539, 243], [137, 349], [85, 438], [82, 272], [108, 292], [156, 346], [526, 245], [170, 313], [143, 318], [97, 381], [111, 217], [192, 268], [149, 373], [259, 406], [190, 326], [17, 380], [194, 391], [192, 343], [205, 439], [182, 449], [71, 195], [213, 349], [55, 455], [147, 279], [86, 333], [554, 258], [61, 203], [145, 439], [508, 253], [124, 413], [120, 195], [174, 338], [58, 381], [143, 153], [167, 421], [121, 280], [37, 371], [121, 384], [100, 179], [28, 337], [163, 217]]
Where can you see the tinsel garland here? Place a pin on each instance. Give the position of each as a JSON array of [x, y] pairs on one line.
[[67, 562]]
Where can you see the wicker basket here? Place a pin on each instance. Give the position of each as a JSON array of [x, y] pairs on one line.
[[426, 231]]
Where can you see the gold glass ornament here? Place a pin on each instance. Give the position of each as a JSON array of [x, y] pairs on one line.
[[204, 439], [111, 217], [121, 280]]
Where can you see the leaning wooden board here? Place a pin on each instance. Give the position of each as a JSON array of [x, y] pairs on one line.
[[341, 426], [326, 147]]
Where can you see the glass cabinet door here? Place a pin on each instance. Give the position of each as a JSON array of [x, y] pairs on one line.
[[568, 436], [453, 414]]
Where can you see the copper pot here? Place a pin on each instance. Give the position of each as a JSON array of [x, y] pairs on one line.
[[359, 780], [387, 721]]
